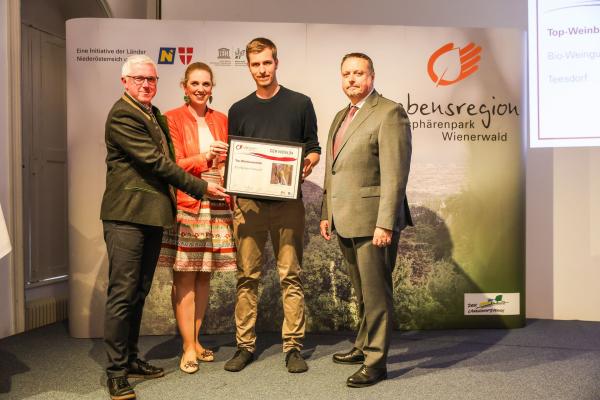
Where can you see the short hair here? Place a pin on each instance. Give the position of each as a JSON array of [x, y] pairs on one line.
[[136, 59], [362, 56], [259, 44], [198, 65]]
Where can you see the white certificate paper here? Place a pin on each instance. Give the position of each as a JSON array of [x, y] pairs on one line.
[[264, 169]]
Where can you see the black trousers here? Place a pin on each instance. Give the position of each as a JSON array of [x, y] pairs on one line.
[[370, 271], [133, 251]]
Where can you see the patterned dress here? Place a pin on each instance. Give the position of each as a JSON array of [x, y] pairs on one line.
[[201, 241]]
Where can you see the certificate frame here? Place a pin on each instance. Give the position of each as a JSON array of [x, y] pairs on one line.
[[264, 168]]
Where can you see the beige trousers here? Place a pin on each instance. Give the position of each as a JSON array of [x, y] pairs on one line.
[[253, 221]]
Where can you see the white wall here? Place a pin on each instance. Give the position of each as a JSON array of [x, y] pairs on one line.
[[460, 13], [45, 15], [128, 9], [576, 195], [563, 215], [6, 278], [50, 15]]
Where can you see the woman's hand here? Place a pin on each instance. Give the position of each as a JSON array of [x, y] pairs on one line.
[[217, 149]]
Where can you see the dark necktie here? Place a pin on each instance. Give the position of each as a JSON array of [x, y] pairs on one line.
[[339, 136]]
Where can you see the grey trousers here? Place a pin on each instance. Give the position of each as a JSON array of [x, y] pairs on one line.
[[133, 251], [370, 270]]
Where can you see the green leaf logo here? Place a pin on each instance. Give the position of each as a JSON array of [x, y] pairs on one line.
[[499, 298]]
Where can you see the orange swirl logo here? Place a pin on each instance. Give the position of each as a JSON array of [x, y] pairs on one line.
[[450, 64]]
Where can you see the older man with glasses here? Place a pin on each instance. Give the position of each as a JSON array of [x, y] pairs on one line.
[[139, 201]]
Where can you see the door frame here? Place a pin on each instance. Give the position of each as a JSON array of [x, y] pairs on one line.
[[15, 211]]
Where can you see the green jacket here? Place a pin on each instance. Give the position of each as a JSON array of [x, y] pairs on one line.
[[139, 170], [365, 184]]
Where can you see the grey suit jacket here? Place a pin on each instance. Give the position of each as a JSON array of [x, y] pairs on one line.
[[140, 169], [365, 185]]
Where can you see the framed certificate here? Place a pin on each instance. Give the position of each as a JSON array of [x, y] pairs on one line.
[[264, 169]]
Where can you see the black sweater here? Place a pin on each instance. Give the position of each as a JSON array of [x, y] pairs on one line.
[[288, 116]]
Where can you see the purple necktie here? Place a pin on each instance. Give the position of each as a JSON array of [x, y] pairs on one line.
[[339, 136]]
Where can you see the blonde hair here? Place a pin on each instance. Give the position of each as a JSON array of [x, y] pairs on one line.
[[257, 45], [198, 65]]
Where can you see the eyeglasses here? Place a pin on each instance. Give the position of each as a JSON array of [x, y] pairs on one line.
[[139, 80]]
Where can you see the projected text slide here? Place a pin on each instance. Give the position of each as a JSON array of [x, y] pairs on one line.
[[564, 72]]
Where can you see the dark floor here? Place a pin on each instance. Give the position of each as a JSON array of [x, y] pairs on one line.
[[544, 360]]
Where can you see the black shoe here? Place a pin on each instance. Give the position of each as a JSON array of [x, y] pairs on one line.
[[366, 376], [239, 361], [354, 356], [141, 369], [119, 388], [294, 361]]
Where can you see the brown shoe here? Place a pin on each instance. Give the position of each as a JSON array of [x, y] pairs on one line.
[[295, 362], [239, 361]]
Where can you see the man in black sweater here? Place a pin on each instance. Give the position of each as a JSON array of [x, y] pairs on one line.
[[272, 112]]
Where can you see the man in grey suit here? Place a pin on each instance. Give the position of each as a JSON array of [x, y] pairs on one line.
[[137, 204], [364, 201]]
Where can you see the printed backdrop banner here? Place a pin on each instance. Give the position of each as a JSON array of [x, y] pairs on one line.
[[461, 265]]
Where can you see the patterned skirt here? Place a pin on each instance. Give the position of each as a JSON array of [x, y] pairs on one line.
[[200, 242]]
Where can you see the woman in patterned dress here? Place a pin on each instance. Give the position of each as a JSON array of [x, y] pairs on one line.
[[202, 240]]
